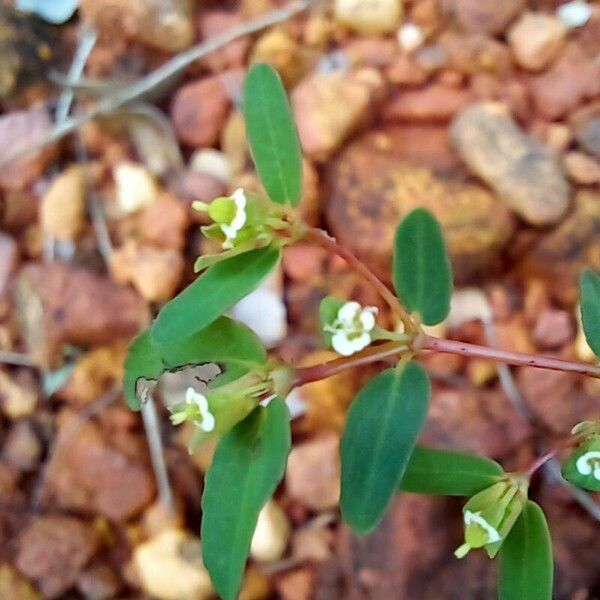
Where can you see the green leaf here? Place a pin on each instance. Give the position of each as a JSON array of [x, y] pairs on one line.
[[446, 473], [573, 475], [143, 367], [526, 566], [383, 424], [589, 285], [249, 463], [422, 270], [212, 294], [272, 134]]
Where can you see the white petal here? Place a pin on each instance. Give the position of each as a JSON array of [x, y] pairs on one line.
[[597, 473], [348, 312], [471, 517], [345, 346], [367, 318], [239, 197], [585, 462], [208, 421], [194, 397]]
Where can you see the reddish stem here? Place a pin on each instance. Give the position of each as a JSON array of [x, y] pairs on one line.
[[321, 238], [511, 358], [542, 460], [333, 367]]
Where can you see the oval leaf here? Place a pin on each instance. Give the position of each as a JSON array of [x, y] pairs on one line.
[[249, 463], [272, 135], [526, 566], [590, 309], [143, 367], [422, 270], [212, 294], [446, 473], [383, 424]]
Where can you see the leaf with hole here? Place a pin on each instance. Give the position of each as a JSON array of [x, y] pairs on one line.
[[446, 473], [213, 293], [526, 565], [248, 464], [143, 367], [272, 134], [422, 271], [589, 285], [382, 427]]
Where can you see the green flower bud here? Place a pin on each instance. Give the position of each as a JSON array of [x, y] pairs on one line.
[[242, 218], [490, 515], [215, 411]]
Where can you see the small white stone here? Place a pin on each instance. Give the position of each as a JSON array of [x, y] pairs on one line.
[[369, 17], [136, 188], [170, 567], [271, 535], [263, 310], [410, 37], [212, 162], [574, 14]]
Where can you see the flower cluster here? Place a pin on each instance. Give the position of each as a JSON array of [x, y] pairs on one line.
[[214, 411], [241, 222], [351, 331], [490, 515]]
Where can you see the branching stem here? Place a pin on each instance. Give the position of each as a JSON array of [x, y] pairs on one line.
[[321, 238]]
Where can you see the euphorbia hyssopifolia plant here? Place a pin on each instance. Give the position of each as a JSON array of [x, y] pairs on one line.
[[243, 401]]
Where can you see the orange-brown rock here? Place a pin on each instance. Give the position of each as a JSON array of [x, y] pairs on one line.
[[563, 253], [24, 129], [96, 471], [330, 107], [62, 304], [434, 103], [154, 272], [573, 78], [522, 171], [164, 24], [199, 110], [370, 190], [53, 549], [486, 16]]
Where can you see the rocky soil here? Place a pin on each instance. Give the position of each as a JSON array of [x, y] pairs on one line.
[[485, 112]]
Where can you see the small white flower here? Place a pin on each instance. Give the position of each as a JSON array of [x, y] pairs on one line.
[[475, 518], [351, 330], [207, 422], [589, 463], [239, 218]]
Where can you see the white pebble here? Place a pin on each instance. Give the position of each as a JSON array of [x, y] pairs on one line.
[[574, 14], [212, 162], [136, 188], [410, 37]]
